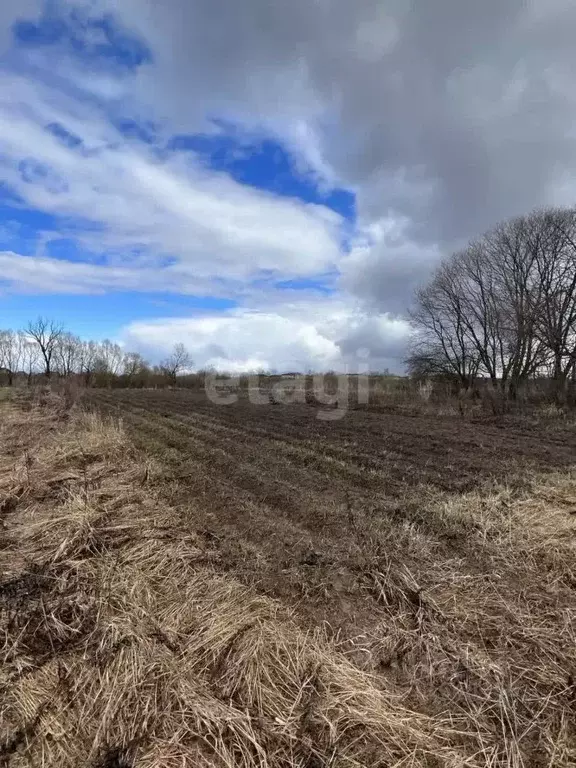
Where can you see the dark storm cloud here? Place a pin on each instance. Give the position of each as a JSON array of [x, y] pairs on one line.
[[471, 99], [374, 344]]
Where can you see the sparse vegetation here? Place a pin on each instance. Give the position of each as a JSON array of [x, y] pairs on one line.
[[193, 585]]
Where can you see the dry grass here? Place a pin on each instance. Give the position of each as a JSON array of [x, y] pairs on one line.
[[123, 644]]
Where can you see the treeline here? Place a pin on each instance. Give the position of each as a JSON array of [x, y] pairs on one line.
[[503, 310], [44, 350]]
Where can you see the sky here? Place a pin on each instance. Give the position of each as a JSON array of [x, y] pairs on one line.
[[266, 181]]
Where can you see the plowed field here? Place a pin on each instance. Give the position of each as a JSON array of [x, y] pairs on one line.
[[298, 506]]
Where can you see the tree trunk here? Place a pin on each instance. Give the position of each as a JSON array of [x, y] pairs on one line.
[[560, 388]]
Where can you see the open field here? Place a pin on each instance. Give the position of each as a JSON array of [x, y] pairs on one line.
[[278, 487], [198, 585], [385, 452]]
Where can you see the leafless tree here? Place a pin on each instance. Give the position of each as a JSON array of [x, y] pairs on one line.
[[31, 358], [135, 368], [443, 343], [88, 355], [555, 311], [501, 307], [512, 250], [107, 362], [47, 335], [11, 353], [111, 357], [176, 363], [68, 354]]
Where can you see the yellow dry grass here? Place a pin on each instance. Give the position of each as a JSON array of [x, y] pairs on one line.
[[120, 645]]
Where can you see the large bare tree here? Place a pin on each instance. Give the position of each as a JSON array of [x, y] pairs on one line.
[[46, 334], [107, 363], [443, 343], [135, 368], [504, 292], [504, 307], [555, 312]]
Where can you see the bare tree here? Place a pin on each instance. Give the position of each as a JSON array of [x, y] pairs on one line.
[[511, 253], [482, 311], [46, 334], [88, 357], [107, 363], [176, 363], [111, 356], [11, 351], [68, 354], [30, 356], [555, 311], [135, 368], [4, 346], [443, 343]]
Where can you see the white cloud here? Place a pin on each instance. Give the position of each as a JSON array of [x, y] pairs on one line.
[[171, 206], [41, 275], [443, 116], [317, 335]]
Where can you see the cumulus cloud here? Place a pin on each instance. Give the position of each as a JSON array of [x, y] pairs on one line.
[[300, 336], [385, 267]]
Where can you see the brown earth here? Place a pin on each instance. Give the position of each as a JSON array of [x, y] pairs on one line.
[[381, 452], [287, 501]]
